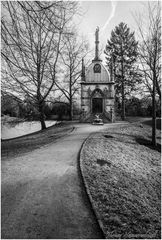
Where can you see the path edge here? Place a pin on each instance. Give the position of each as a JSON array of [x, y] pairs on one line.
[[86, 185]]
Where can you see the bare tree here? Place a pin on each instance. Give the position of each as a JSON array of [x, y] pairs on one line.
[[150, 55], [75, 49], [31, 35]]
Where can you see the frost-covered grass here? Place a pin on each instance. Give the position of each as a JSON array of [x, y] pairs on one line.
[[123, 177]]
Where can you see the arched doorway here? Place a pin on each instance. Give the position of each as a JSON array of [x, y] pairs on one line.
[[97, 101], [97, 105]]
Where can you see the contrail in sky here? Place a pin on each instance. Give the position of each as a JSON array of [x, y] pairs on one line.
[[113, 5]]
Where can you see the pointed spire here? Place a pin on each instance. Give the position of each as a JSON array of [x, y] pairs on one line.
[[96, 42], [97, 45], [83, 70]]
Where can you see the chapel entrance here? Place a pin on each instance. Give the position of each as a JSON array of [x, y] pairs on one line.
[[97, 105]]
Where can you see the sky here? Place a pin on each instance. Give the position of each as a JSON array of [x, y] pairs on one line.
[[106, 15]]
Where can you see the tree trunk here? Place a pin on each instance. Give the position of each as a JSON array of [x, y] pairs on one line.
[[70, 95], [123, 101], [123, 97], [153, 114], [158, 89], [71, 109], [41, 116]]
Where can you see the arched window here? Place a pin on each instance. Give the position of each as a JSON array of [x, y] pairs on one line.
[[97, 93]]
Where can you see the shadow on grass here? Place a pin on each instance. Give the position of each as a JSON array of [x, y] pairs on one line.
[[137, 138], [148, 144], [112, 135], [108, 136], [149, 123]]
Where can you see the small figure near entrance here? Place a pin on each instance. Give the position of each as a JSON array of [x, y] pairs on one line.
[[97, 120]]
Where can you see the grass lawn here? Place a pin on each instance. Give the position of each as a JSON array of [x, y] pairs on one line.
[[122, 172], [145, 120]]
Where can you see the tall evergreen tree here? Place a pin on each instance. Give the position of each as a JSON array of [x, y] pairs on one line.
[[121, 54]]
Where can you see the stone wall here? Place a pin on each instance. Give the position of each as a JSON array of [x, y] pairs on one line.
[[87, 95]]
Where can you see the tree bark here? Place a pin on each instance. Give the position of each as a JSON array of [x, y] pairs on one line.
[[70, 95], [123, 101], [41, 116], [71, 109], [158, 89], [123, 97], [154, 113]]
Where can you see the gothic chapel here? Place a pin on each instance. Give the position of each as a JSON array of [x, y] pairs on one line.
[[97, 89]]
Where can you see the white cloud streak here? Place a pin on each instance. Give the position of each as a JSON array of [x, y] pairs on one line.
[[112, 14], [113, 5]]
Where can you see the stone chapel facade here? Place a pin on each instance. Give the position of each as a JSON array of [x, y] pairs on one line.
[[97, 89]]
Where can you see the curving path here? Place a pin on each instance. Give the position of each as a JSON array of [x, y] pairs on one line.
[[42, 195]]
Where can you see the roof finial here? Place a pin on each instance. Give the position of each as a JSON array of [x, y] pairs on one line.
[[96, 33]]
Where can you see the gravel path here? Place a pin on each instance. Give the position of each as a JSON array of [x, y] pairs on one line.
[[42, 193]]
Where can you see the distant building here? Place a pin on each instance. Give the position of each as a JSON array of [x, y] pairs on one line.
[[97, 89]]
